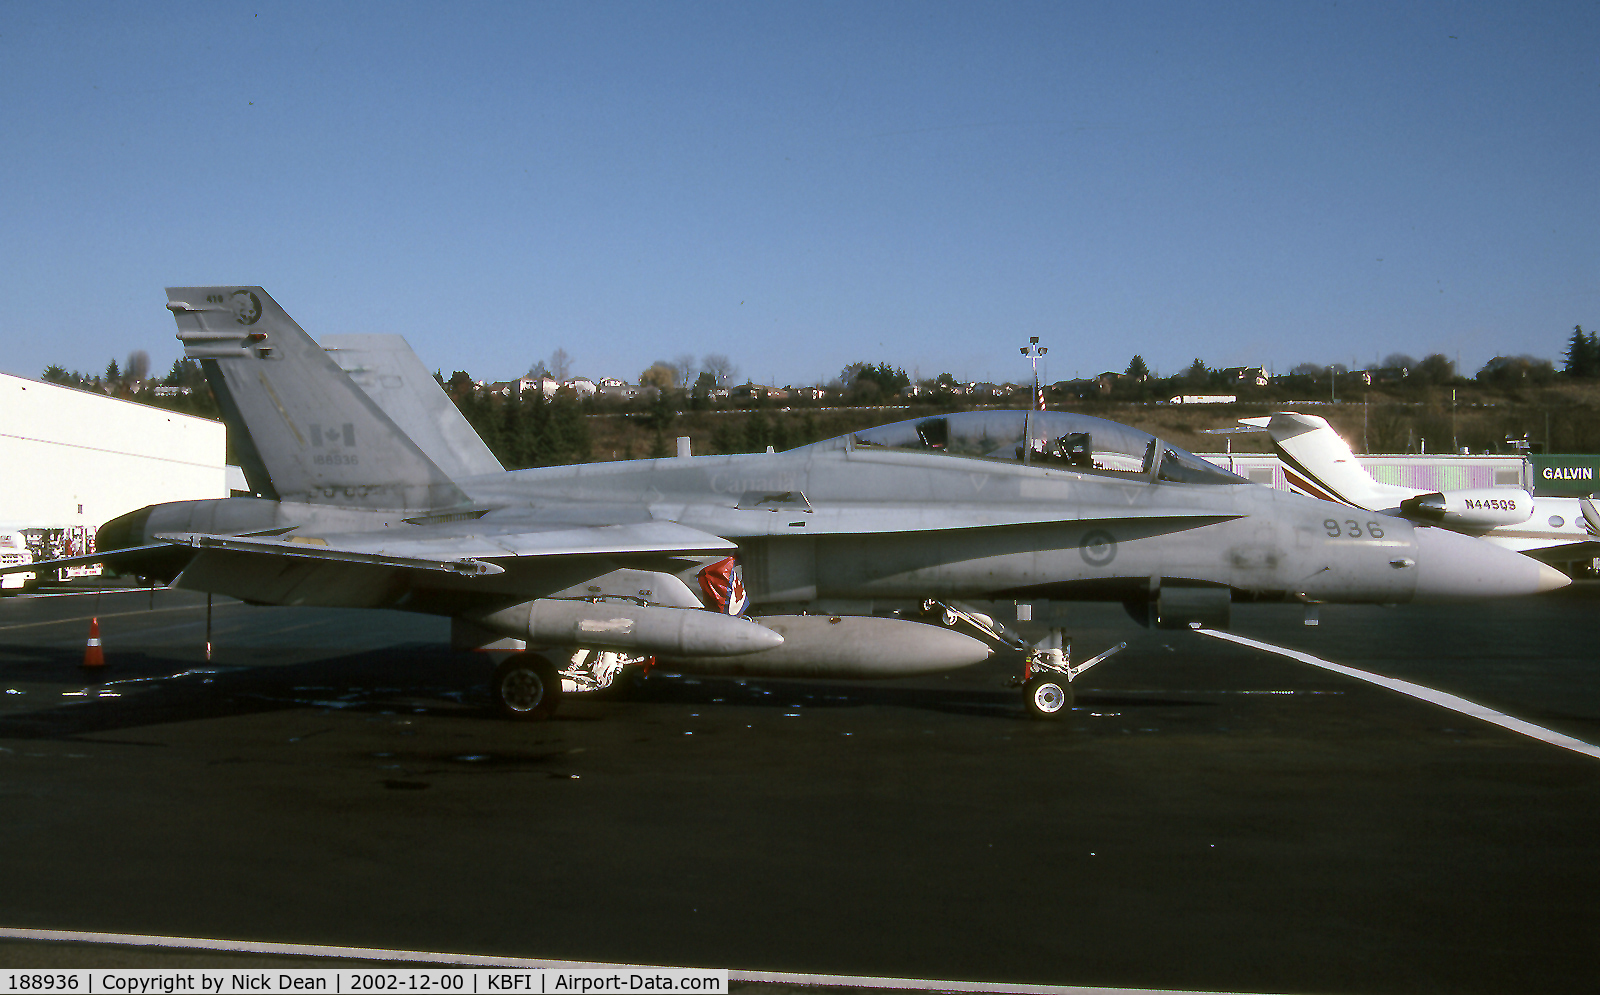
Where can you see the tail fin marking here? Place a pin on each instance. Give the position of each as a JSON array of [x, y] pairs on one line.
[[316, 436]]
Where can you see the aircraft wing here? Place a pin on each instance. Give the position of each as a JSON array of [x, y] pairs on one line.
[[454, 549], [40, 566], [450, 549]]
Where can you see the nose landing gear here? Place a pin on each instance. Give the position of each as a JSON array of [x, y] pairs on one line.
[[1048, 673], [1047, 697], [1047, 668]]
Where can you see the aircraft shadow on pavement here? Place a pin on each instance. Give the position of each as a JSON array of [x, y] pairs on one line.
[[974, 699], [140, 689]]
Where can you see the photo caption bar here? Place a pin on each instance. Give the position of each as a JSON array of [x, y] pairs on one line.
[[444, 981]]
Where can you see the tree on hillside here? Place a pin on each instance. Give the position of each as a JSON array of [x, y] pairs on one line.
[[1398, 361], [660, 375], [185, 372], [1435, 369], [865, 382], [113, 374], [1516, 371], [530, 429], [1583, 354], [560, 365], [683, 370], [1136, 368], [700, 393], [720, 367], [1197, 373]]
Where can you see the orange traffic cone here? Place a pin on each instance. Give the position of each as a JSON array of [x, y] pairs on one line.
[[92, 656]]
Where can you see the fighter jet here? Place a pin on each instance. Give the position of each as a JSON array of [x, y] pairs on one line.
[[1319, 463], [853, 557]]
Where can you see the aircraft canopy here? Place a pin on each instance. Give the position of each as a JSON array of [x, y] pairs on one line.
[[1058, 439]]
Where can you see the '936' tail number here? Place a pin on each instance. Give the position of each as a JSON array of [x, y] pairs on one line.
[[1351, 529]]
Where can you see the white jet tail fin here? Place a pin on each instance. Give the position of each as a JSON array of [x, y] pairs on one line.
[[1319, 463]]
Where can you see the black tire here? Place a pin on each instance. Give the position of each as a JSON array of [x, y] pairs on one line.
[[526, 687], [1048, 697]]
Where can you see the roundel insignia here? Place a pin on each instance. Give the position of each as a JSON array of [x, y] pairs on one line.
[[246, 307], [1098, 548]]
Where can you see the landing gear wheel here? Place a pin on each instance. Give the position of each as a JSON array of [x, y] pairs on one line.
[[526, 687], [1048, 697]]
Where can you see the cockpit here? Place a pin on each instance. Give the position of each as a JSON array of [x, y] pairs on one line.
[[1053, 439]]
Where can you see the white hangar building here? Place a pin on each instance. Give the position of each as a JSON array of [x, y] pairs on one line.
[[73, 457]]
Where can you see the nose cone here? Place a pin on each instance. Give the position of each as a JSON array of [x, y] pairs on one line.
[[1455, 567]]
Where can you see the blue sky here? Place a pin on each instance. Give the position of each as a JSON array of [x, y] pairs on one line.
[[803, 186]]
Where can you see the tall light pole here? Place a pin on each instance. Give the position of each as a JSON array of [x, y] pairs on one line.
[[1034, 351]]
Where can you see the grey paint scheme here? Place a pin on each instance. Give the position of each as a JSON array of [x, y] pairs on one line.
[[386, 369], [832, 528], [320, 438]]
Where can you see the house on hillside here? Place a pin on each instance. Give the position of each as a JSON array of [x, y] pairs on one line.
[[755, 392], [524, 386], [1255, 376], [581, 386], [619, 389]]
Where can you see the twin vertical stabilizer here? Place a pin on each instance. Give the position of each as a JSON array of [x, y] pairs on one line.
[[304, 430]]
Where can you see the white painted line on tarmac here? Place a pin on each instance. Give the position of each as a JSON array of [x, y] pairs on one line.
[[80, 619], [479, 960], [35, 596], [1418, 691]]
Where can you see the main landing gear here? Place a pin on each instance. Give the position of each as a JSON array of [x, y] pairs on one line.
[[1047, 670], [528, 686]]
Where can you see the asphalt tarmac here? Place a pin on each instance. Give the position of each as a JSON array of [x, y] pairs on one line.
[[1208, 817]]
